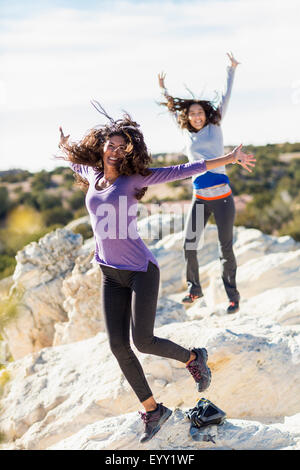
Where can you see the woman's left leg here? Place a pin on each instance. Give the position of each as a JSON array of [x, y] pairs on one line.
[[224, 212], [145, 286]]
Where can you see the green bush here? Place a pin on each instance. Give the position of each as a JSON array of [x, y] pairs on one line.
[[41, 181], [15, 176], [28, 199], [292, 228], [57, 215], [7, 265], [77, 200], [4, 201], [47, 201], [85, 230]]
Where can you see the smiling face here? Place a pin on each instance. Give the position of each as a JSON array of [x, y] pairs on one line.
[[113, 152], [196, 116]]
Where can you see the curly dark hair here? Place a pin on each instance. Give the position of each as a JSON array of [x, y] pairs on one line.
[[89, 151], [182, 106]]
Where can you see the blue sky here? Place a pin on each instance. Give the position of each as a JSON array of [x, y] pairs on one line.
[[57, 55]]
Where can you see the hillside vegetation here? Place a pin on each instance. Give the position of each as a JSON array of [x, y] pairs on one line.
[[32, 204]]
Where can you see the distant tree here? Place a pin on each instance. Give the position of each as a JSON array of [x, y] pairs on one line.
[[57, 215], [47, 201], [15, 176], [41, 181], [4, 201], [28, 199], [85, 230], [292, 228], [76, 200], [7, 265]]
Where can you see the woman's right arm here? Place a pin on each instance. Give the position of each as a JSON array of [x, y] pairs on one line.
[[82, 170], [164, 92], [236, 156], [229, 82], [185, 170]]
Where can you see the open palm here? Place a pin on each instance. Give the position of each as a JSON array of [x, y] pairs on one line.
[[244, 159], [63, 138], [234, 62], [161, 79]]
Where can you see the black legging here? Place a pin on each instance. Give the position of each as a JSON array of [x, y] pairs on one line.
[[131, 296], [224, 212]]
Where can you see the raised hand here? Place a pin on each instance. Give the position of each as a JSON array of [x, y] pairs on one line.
[[234, 62], [243, 159], [63, 138], [161, 79]]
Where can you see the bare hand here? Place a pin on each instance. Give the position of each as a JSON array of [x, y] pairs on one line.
[[243, 159], [234, 62], [161, 79], [63, 139]]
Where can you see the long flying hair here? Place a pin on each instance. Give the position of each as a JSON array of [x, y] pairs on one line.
[[181, 107], [89, 151]]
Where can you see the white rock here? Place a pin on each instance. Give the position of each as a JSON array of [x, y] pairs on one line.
[[41, 268], [122, 433], [59, 390], [73, 394]]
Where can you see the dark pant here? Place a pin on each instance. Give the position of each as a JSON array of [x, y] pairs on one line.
[[224, 213], [131, 297]]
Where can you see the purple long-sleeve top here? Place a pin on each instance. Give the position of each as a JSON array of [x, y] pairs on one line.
[[113, 213]]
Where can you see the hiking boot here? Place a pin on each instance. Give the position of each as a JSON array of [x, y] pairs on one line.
[[153, 421], [189, 298], [233, 307], [200, 371]]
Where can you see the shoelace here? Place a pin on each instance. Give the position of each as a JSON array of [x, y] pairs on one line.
[[147, 418], [194, 371]]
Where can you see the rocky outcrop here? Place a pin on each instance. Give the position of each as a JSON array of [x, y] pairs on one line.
[[122, 433], [37, 291], [56, 392], [71, 393]]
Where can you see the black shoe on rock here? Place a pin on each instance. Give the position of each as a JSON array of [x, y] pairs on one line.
[[153, 421], [233, 307], [189, 298]]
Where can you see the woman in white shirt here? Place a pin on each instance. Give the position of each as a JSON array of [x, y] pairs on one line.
[[200, 121]]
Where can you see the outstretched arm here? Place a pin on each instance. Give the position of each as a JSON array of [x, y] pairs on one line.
[[63, 143], [178, 172], [164, 91], [230, 77], [236, 156]]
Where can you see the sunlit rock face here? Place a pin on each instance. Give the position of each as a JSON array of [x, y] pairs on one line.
[[66, 390]]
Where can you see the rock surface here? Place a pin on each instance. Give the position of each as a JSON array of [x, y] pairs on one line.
[[121, 433], [71, 393], [37, 288]]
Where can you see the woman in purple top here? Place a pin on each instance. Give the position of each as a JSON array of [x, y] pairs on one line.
[[113, 162]]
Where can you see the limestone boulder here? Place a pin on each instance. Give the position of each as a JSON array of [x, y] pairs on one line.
[[123, 432], [37, 291], [54, 393]]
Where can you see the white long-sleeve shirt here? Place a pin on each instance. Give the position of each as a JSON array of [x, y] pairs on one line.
[[206, 144]]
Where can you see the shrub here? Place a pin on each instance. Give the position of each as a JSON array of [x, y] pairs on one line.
[[85, 230], [76, 200], [47, 201], [7, 265], [4, 201], [57, 215], [41, 181]]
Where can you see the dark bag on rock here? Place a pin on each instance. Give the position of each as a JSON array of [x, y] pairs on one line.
[[205, 413]]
